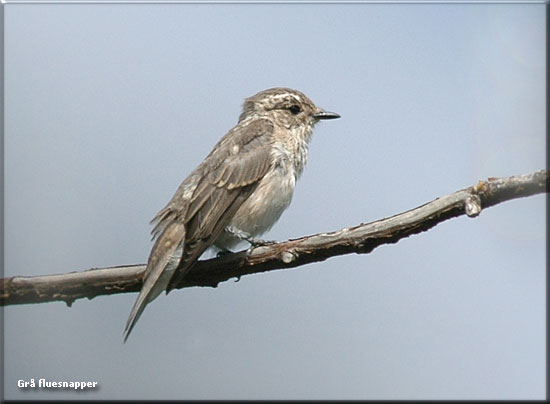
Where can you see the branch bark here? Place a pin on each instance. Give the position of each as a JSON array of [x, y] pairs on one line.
[[361, 239]]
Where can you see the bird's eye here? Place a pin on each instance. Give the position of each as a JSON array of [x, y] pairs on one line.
[[295, 109]]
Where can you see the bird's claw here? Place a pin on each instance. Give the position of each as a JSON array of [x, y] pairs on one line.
[[258, 242], [254, 243]]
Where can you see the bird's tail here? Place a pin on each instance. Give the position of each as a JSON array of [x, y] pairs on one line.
[[163, 261], [138, 308]]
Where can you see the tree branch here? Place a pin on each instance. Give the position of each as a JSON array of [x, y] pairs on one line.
[[361, 239]]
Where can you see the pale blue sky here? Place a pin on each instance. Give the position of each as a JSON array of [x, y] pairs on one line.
[[108, 108]]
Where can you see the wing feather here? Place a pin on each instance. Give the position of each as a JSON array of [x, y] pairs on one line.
[[223, 190], [195, 247]]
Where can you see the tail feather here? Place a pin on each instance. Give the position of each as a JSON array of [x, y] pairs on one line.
[[138, 308], [163, 261]]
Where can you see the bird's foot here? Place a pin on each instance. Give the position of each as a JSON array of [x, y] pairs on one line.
[[223, 253], [244, 236], [256, 242]]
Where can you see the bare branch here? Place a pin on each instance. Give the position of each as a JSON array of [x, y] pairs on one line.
[[359, 239]]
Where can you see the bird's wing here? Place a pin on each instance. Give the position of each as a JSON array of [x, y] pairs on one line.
[[232, 172], [201, 208]]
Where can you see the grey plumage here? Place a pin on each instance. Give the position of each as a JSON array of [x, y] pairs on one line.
[[239, 190]]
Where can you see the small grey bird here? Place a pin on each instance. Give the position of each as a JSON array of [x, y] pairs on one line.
[[239, 191]]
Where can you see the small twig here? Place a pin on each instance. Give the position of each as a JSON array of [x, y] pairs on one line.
[[359, 239]]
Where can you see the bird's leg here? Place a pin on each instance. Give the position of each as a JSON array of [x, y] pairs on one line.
[[242, 235]]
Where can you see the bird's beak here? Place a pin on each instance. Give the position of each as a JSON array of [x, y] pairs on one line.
[[322, 114]]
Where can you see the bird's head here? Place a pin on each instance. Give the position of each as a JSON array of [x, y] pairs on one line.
[[287, 107]]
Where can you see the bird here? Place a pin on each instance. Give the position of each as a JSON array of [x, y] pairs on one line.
[[238, 191]]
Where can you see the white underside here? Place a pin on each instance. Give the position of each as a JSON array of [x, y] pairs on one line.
[[262, 209]]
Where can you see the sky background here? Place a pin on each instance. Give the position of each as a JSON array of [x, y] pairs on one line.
[[108, 107]]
